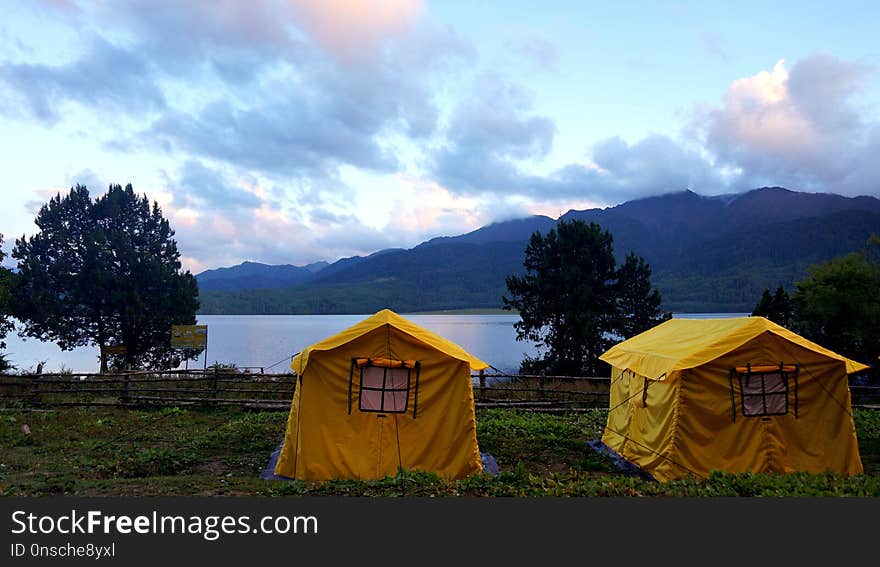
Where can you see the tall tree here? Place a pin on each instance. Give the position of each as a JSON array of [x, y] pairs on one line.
[[838, 304], [638, 303], [58, 294], [6, 324], [104, 272], [571, 298], [776, 307], [764, 305]]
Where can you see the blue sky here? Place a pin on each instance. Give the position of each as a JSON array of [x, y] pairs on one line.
[[291, 131]]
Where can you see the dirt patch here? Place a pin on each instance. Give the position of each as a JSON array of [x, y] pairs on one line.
[[213, 467]]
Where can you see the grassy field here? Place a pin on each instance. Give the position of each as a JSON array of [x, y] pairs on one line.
[[172, 451]]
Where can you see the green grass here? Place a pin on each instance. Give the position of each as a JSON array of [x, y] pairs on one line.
[[172, 451]]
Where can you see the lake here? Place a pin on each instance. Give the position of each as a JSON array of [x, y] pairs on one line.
[[268, 341]]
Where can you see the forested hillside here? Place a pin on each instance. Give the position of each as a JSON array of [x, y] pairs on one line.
[[707, 253]]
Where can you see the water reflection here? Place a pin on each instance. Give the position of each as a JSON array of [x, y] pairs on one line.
[[268, 341]]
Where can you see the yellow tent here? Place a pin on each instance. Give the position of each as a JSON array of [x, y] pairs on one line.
[[738, 394], [381, 395]]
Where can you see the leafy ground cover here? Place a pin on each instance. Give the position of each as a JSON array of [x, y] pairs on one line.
[[173, 451]]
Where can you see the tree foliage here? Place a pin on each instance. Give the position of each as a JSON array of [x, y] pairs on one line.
[[573, 301], [638, 303], [6, 324], [776, 307], [838, 304], [104, 272]]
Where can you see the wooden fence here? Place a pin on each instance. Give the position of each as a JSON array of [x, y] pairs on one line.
[[262, 391], [176, 388], [544, 393], [221, 387]]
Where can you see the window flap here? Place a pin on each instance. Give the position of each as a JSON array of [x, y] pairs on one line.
[[385, 363], [765, 368]]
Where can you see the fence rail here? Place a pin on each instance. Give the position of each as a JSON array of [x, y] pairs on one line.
[[275, 391], [187, 387]]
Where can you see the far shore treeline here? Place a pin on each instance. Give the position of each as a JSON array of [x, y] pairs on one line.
[[106, 271]]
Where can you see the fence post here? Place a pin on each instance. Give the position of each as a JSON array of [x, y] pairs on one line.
[[214, 390], [482, 385], [124, 398], [541, 380], [35, 390]]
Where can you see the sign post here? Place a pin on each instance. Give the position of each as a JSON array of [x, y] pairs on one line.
[[107, 350], [190, 337]]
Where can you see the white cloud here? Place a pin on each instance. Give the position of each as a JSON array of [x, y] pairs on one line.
[[537, 48], [355, 29], [303, 130], [796, 128], [489, 133]]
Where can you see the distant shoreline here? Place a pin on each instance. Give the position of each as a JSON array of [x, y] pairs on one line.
[[710, 313], [463, 311], [472, 311]]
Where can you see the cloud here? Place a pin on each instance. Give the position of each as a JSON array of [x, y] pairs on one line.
[[797, 128], [106, 77], [656, 164], [223, 217], [192, 64], [352, 238], [223, 238], [201, 40], [275, 109], [201, 187], [619, 171], [418, 209], [324, 229], [286, 136], [348, 29], [818, 80], [355, 30], [422, 209], [492, 141], [305, 128], [502, 208], [96, 184], [66, 6], [310, 119], [488, 133], [537, 49], [212, 238]]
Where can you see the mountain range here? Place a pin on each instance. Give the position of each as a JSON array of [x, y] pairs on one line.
[[708, 254]]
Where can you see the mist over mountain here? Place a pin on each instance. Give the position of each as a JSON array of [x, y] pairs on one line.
[[707, 253]]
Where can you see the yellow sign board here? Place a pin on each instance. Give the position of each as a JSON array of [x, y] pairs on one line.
[[189, 336]]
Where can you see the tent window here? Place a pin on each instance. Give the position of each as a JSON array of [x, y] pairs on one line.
[[384, 385], [765, 390]]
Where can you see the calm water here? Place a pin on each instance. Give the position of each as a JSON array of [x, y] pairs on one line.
[[268, 341]]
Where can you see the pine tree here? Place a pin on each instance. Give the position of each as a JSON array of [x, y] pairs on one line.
[[104, 272], [776, 307], [573, 301], [638, 303], [6, 324]]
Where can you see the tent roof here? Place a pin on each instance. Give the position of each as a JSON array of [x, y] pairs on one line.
[[680, 344], [388, 317]]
